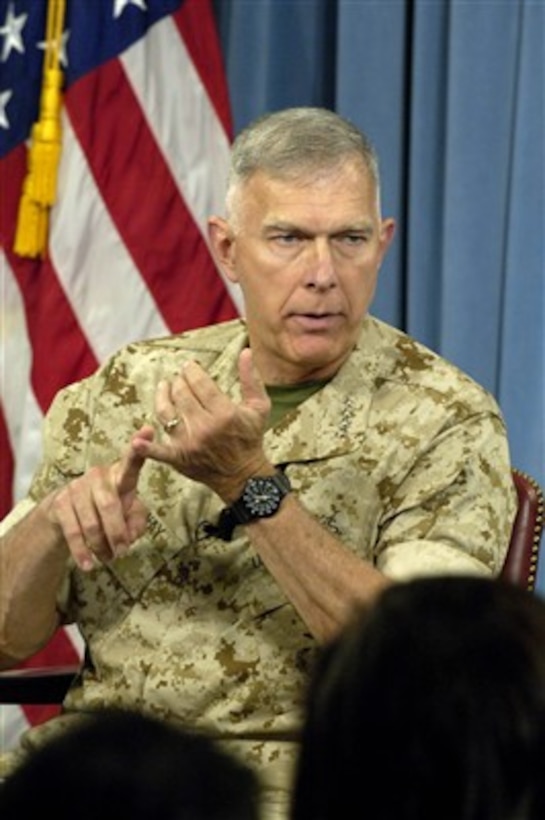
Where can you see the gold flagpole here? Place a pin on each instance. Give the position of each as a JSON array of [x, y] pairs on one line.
[[40, 185]]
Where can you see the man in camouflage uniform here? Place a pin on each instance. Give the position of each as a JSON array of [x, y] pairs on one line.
[[397, 466]]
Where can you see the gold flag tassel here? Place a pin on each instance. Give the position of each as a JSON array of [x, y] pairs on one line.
[[40, 185]]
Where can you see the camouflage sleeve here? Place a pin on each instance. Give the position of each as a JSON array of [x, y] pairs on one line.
[[58, 464], [88, 421], [454, 510], [65, 435]]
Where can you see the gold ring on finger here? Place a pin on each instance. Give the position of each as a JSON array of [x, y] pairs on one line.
[[169, 426]]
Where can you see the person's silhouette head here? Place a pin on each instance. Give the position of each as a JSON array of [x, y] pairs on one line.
[[119, 763], [431, 707]]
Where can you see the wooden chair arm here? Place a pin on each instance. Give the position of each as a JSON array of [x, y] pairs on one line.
[[40, 685]]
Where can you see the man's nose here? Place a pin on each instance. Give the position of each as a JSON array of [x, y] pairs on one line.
[[320, 271]]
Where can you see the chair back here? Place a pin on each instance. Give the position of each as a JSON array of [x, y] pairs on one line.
[[521, 562]]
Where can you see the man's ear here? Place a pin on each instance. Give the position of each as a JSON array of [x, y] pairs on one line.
[[387, 231], [223, 244]]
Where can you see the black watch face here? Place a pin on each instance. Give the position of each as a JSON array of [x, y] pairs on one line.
[[261, 497]]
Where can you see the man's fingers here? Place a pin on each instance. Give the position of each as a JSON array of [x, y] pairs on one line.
[[99, 513], [194, 390], [142, 448], [64, 513]]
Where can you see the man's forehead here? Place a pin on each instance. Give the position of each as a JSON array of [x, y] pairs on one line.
[[311, 222], [304, 177], [333, 201]]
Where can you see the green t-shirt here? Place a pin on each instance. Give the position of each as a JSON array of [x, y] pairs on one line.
[[287, 397]]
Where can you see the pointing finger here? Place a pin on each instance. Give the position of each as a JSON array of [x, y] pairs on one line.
[[132, 463]]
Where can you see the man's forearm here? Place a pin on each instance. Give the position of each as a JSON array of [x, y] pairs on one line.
[[32, 565], [323, 579]]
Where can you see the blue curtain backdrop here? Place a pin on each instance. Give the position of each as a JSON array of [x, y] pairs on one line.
[[452, 93]]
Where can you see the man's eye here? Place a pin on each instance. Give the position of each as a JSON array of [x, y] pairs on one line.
[[353, 239], [286, 238]]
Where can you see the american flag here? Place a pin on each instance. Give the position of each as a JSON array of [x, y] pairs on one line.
[[146, 131]]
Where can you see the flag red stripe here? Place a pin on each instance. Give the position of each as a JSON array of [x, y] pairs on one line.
[[52, 325], [133, 170], [198, 30], [7, 465]]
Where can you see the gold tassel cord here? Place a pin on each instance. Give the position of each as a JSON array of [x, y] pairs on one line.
[[40, 185]]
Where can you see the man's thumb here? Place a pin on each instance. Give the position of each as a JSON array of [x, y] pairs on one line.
[[251, 384]]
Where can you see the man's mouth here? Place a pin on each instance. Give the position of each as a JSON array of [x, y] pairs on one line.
[[315, 321]]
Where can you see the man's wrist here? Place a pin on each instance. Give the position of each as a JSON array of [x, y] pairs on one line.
[[230, 489]]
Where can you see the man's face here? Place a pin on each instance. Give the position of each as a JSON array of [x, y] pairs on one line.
[[306, 254]]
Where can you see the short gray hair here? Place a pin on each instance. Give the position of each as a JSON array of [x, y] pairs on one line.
[[294, 142]]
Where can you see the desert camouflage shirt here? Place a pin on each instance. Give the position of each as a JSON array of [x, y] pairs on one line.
[[400, 455]]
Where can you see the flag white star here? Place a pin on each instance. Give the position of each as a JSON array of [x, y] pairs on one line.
[[121, 5], [63, 57], [5, 97], [12, 33]]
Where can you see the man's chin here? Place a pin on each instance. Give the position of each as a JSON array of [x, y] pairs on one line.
[[317, 358]]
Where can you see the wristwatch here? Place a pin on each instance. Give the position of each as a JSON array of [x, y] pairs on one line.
[[261, 498]]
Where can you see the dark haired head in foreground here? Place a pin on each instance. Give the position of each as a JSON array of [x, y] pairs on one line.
[[432, 707], [123, 764]]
